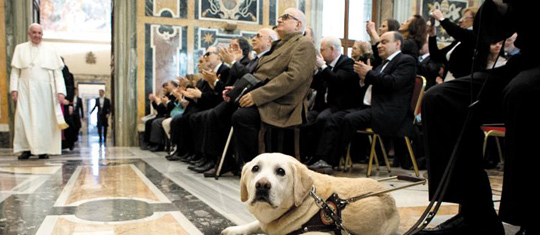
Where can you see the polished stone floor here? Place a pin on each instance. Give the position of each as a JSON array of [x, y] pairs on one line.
[[98, 189]]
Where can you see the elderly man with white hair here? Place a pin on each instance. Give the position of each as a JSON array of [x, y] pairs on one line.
[[340, 91], [286, 72], [37, 85]]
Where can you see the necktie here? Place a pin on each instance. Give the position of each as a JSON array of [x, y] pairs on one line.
[[380, 68], [253, 64]]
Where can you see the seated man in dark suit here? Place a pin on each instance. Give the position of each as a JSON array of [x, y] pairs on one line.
[[287, 72], [216, 122], [337, 88], [387, 102], [206, 95], [238, 57]]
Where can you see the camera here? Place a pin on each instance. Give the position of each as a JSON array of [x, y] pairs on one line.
[[364, 58]]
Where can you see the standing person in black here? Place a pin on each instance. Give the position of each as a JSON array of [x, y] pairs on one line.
[[457, 57], [511, 95], [69, 135], [103, 105], [78, 111]]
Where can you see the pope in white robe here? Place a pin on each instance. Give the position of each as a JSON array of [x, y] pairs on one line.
[[37, 86]]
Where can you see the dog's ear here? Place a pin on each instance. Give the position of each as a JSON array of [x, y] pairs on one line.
[[243, 187], [302, 183]]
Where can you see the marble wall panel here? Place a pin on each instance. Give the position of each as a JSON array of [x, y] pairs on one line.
[[245, 11], [166, 8], [205, 37], [165, 56]]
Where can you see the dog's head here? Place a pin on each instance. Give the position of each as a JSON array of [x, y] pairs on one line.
[[272, 183]]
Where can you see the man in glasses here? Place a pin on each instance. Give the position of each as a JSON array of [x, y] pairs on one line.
[[286, 71], [216, 123], [206, 95]]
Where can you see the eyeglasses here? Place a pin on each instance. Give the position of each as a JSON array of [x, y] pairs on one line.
[[288, 16], [208, 53]]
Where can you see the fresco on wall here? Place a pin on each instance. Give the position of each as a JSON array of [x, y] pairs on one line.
[[75, 19], [166, 8], [245, 11], [165, 55], [452, 10], [205, 38]]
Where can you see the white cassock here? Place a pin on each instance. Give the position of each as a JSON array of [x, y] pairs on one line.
[[36, 73]]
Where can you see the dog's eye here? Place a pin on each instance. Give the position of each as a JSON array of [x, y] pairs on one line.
[[280, 172], [255, 168]]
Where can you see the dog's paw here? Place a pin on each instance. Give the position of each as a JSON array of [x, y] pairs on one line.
[[234, 230]]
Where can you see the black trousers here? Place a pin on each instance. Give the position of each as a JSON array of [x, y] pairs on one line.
[[216, 130], [444, 110], [330, 124], [246, 123], [157, 134]]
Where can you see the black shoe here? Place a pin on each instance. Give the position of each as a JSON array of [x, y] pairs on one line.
[[458, 225], [43, 156], [188, 158], [193, 167], [24, 155], [319, 164], [309, 160], [173, 158], [156, 148], [199, 162], [209, 165], [212, 172], [327, 170]]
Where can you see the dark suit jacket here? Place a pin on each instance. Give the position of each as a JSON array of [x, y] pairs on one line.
[[78, 109], [288, 70], [344, 90], [461, 59], [103, 112], [209, 97], [430, 70], [391, 96]]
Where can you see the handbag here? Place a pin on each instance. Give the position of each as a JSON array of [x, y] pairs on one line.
[[178, 109], [242, 86]]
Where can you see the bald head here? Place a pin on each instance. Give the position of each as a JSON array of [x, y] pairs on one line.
[[292, 20]]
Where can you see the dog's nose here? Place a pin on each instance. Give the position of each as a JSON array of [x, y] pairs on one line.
[[263, 184]]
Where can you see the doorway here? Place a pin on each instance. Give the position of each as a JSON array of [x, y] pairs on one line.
[[88, 93]]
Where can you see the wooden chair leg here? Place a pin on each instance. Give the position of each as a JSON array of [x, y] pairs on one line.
[[385, 156], [486, 136], [413, 158], [224, 154], [371, 155], [501, 159]]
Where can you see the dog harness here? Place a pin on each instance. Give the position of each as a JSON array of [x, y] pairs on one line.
[[328, 219]]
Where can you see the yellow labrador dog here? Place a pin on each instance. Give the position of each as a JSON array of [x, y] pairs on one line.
[[276, 189]]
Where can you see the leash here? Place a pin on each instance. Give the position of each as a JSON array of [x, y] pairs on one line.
[[330, 209]]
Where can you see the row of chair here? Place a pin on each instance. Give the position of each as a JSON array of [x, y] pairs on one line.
[[346, 162]]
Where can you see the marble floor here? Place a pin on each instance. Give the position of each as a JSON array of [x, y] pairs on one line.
[[98, 189]]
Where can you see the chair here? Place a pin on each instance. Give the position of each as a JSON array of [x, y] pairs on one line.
[[418, 93], [495, 130], [268, 129]]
